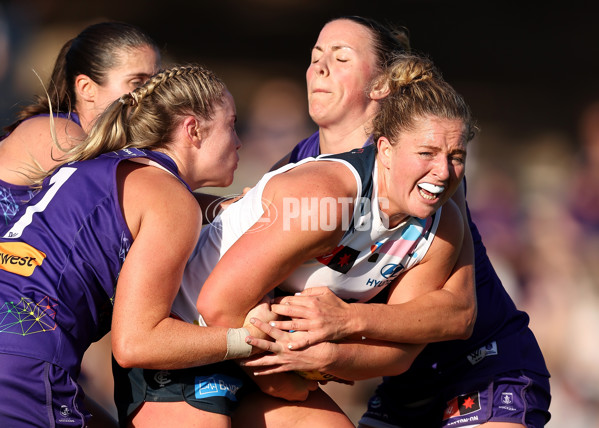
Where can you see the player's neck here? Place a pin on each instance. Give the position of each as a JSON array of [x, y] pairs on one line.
[[339, 140]]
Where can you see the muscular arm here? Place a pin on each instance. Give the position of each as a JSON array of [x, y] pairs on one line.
[[259, 260], [425, 305], [143, 334], [358, 360], [347, 359], [420, 292], [429, 305]]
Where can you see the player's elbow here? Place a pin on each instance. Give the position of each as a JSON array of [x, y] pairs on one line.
[[399, 367], [212, 314], [126, 351], [466, 322], [395, 368]]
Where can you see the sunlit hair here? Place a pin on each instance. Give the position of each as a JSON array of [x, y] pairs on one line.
[[147, 117], [94, 52], [417, 90], [387, 41]]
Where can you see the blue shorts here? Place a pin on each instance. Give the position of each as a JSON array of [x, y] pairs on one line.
[[36, 393], [519, 397], [215, 388]]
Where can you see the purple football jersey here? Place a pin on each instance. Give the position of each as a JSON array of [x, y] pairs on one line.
[[60, 257]]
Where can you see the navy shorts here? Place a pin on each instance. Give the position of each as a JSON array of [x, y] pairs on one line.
[[215, 388], [520, 397], [36, 393]]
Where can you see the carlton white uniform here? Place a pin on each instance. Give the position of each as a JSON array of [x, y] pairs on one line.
[[368, 258]]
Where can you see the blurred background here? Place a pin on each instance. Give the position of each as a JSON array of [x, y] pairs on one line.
[[529, 70]]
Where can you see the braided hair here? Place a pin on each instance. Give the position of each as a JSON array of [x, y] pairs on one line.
[[147, 117]]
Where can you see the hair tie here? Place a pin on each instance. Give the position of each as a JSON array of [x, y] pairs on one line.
[[128, 100]]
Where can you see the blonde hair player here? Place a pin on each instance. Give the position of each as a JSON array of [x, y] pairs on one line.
[[105, 241]]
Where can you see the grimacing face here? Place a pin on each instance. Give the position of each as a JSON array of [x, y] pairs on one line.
[[423, 168]]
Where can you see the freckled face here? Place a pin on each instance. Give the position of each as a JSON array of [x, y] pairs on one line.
[[424, 167], [342, 66]]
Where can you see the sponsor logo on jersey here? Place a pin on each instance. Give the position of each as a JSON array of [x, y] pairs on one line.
[[20, 258], [162, 378], [65, 413], [389, 272], [482, 352], [507, 402], [217, 385], [462, 405], [341, 259], [507, 397]]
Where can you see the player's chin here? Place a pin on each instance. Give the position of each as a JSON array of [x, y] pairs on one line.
[[424, 211], [226, 180]]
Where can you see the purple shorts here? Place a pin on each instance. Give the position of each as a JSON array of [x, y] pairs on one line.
[[36, 393], [519, 397]]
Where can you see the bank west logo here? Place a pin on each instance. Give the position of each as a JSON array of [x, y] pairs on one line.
[[217, 385], [20, 258]]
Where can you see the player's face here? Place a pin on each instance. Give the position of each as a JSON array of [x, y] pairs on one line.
[[424, 167], [342, 66], [220, 144], [135, 67]]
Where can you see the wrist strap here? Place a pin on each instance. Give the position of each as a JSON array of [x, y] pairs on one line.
[[236, 345]]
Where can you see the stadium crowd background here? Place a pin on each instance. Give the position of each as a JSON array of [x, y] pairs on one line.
[[530, 72]]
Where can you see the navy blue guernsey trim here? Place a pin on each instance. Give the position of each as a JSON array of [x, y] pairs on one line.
[[363, 161]]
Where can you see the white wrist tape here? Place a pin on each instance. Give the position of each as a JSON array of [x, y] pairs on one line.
[[236, 345]]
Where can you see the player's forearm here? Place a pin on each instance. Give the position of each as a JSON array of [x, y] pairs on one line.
[[171, 344], [436, 316], [357, 360]]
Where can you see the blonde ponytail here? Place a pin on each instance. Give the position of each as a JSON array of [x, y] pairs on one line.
[[146, 117]]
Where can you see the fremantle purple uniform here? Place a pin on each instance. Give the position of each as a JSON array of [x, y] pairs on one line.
[[12, 195], [60, 256], [498, 374]]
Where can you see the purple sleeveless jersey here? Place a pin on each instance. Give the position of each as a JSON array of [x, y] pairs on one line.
[[60, 257]]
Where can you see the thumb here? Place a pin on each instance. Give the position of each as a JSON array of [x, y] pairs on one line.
[[314, 291]]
